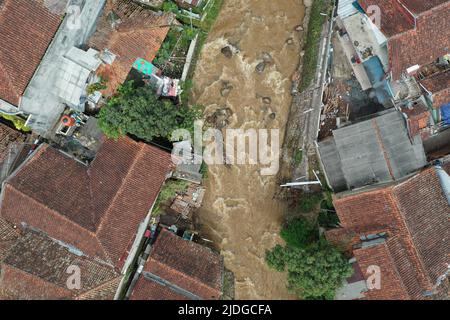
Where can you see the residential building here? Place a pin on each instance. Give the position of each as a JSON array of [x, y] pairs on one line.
[[399, 232], [97, 211], [38, 77], [179, 269], [127, 33], [376, 150]]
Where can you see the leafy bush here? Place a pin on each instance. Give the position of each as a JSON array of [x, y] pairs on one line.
[[139, 112], [309, 201], [299, 233], [275, 258], [315, 27], [328, 219], [170, 6], [314, 272]]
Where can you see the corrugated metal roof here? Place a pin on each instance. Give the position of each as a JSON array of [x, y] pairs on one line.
[[346, 8], [372, 151]]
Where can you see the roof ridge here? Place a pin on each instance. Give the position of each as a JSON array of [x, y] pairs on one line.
[[395, 237], [8, 185], [104, 284], [410, 248], [138, 156]]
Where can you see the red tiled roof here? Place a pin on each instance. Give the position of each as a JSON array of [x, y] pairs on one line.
[[439, 86], [420, 6], [417, 31], [8, 136], [417, 117], [26, 30], [95, 208], [414, 214], [139, 34], [392, 287], [183, 264], [146, 289], [35, 267], [424, 45], [394, 18]]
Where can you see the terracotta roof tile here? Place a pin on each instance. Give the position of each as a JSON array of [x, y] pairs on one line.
[[184, 264], [130, 32], [415, 215], [420, 6], [36, 267], [147, 289], [391, 284], [425, 211], [394, 18], [95, 208], [8, 136], [423, 45], [439, 86], [23, 44]]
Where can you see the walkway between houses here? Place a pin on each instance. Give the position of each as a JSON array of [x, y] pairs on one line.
[[240, 213]]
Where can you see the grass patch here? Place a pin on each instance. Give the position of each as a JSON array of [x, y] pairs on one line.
[[315, 27], [298, 157], [211, 14]]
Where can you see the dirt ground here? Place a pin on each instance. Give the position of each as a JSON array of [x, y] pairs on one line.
[[240, 213]]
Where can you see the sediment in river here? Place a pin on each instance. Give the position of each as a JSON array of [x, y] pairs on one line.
[[243, 78]]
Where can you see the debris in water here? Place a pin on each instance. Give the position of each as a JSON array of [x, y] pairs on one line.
[[290, 41], [226, 89], [267, 100], [227, 52], [266, 57], [260, 67]]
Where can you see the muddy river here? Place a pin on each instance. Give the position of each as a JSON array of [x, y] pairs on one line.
[[249, 86]]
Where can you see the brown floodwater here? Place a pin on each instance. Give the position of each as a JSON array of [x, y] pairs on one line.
[[240, 213]]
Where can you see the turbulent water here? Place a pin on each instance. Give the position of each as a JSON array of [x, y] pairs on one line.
[[239, 212]]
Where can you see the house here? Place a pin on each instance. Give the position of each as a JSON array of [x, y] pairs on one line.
[[36, 267], [437, 92], [416, 32], [21, 51], [37, 76], [128, 32], [376, 150], [401, 231], [179, 269], [98, 210]]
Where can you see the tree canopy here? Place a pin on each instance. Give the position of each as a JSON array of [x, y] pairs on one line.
[[315, 268], [139, 112]]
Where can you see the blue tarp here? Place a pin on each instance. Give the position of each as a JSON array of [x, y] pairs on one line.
[[374, 70], [445, 113]]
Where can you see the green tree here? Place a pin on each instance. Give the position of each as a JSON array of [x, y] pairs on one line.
[[299, 233], [314, 272], [139, 112]]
